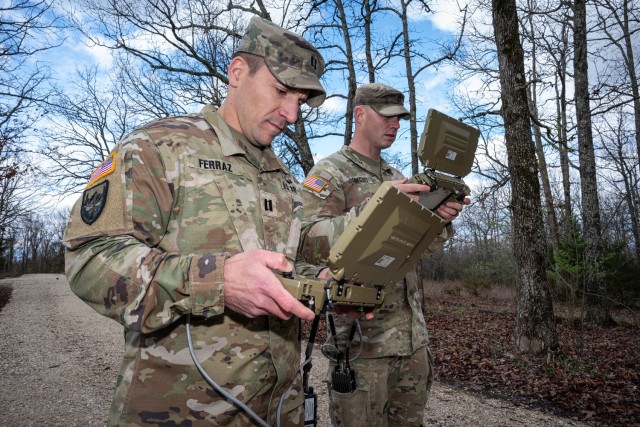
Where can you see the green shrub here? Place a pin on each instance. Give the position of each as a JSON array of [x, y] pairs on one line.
[[621, 271], [477, 278]]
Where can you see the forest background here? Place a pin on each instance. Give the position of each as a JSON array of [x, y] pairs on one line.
[[553, 87]]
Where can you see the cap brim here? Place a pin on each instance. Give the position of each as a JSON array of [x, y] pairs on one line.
[[388, 110], [300, 79]]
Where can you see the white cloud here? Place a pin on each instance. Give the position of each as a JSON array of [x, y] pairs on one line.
[[446, 15], [335, 105], [75, 55], [447, 18], [99, 55], [432, 89]]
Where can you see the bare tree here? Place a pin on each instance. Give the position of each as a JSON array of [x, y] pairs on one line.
[[95, 110], [552, 223], [333, 27], [476, 97], [417, 61], [153, 94], [619, 21], [548, 37], [559, 52], [16, 201], [594, 284], [27, 29], [186, 43], [363, 46], [487, 222], [535, 324], [90, 116], [623, 175], [618, 93]]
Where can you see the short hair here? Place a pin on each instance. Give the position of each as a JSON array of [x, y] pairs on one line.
[[254, 62]]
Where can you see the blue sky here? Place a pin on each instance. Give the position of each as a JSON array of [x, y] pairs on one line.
[[74, 54], [431, 87]]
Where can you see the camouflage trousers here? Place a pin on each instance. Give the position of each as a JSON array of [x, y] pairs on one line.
[[236, 418], [293, 418], [390, 391]]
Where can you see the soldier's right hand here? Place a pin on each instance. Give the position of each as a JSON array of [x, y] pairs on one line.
[[251, 288]]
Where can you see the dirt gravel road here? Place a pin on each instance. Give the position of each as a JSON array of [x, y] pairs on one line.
[[59, 361]]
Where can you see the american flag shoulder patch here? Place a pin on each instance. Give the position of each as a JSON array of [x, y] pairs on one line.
[[105, 168], [314, 183]]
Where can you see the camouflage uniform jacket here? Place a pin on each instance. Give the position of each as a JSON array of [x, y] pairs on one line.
[[398, 328], [185, 195]]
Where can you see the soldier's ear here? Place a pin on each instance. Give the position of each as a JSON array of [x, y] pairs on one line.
[[236, 68], [358, 112]]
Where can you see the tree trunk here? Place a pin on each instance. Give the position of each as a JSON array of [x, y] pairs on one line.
[[367, 17], [304, 154], [629, 194], [411, 85], [535, 324], [552, 222], [594, 285], [568, 233], [351, 82], [630, 64], [633, 76]]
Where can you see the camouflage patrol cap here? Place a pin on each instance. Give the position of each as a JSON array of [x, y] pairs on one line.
[[290, 58], [384, 100]]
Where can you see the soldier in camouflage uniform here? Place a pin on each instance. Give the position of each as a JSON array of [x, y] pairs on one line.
[[189, 216], [393, 371]]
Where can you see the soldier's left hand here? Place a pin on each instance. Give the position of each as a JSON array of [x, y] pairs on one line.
[[450, 210]]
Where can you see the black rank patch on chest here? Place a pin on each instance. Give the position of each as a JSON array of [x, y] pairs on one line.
[[93, 201], [268, 205]]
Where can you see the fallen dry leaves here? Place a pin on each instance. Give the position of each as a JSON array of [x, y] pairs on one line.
[[594, 375]]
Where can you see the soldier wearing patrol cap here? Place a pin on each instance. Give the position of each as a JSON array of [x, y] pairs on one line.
[[189, 216], [393, 370], [382, 99]]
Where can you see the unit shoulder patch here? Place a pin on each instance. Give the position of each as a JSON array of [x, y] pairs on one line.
[[93, 201]]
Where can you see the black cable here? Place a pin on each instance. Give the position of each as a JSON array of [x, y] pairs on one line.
[[352, 333], [334, 335], [307, 354]]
